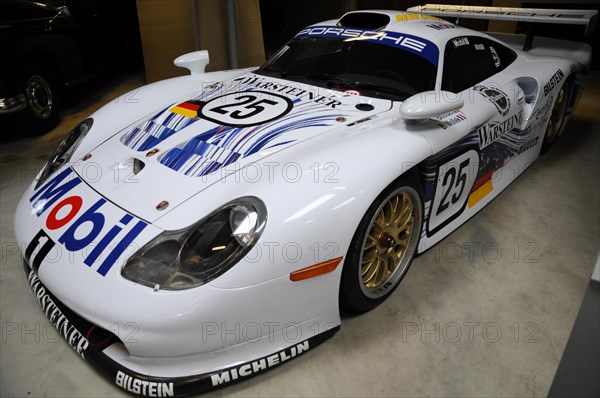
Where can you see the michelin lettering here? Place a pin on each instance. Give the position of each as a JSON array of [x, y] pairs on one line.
[[259, 365]]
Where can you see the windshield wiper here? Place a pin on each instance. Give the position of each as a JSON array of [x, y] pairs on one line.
[[334, 81], [309, 75]]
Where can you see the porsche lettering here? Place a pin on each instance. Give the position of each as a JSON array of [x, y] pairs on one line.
[[384, 37]]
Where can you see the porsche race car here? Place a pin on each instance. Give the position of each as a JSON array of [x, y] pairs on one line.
[[212, 229]]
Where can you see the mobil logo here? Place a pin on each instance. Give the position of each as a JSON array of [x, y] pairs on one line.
[[80, 225]]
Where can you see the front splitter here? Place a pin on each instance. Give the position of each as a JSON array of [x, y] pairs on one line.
[[90, 341]]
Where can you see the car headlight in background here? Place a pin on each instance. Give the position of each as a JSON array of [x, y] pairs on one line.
[[198, 254], [65, 150]]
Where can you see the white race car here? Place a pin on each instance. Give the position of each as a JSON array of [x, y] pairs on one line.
[[211, 229]]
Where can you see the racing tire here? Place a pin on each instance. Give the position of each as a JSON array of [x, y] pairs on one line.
[[383, 246], [42, 90], [556, 122]]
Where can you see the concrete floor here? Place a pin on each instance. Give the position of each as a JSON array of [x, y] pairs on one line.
[[487, 312]]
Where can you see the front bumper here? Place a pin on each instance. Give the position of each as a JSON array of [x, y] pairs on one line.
[[13, 104], [95, 345]]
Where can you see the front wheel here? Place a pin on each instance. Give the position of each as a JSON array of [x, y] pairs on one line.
[[383, 246]]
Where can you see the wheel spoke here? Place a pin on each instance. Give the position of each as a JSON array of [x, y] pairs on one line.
[[386, 245], [371, 271]]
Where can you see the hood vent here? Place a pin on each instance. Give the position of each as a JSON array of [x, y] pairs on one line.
[[138, 166]]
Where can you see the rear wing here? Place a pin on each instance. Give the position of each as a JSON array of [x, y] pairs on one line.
[[513, 14]]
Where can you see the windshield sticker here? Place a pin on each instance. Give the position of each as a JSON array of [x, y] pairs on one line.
[[460, 42], [413, 44]]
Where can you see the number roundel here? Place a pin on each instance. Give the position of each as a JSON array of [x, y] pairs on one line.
[[455, 179], [244, 109]]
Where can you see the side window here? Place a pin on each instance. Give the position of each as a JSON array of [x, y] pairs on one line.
[[501, 55], [467, 61]]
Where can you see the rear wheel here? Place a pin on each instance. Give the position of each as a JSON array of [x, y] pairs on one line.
[[383, 246], [557, 117]]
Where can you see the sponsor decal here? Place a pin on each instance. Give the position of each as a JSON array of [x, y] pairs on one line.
[[250, 368], [84, 226], [449, 119], [144, 387], [528, 145], [293, 91], [440, 26], [416, 17], [495, 57], [496, 97], [414, 44], [73, 337], [492, 131], [454, 181], [245, 109], [543, 111], [463, 41], [556, 78]]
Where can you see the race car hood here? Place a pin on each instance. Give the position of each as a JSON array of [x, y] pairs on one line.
[[165, 158]]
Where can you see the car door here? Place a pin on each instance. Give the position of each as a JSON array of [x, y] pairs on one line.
[[461, 175]]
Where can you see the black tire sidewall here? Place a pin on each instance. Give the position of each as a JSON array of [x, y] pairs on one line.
[[547, 143]]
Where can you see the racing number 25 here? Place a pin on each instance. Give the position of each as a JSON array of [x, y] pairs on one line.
[[246, 108], [250, 102], [455, 179]]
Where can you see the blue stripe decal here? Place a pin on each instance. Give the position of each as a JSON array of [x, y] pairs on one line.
[[414, 44]]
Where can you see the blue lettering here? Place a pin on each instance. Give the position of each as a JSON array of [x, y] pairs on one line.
[[97, 219], [121, 246], [50, 192], [93, 256]]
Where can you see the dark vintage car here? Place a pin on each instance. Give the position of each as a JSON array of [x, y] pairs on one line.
[[50, 46]]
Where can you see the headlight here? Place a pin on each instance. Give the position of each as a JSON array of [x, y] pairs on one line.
[[198, 254], [65, 150]]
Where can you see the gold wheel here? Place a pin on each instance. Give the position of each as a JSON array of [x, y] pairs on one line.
[[390, 242]]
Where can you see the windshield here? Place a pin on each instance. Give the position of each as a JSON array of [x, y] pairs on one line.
[[366, 67]]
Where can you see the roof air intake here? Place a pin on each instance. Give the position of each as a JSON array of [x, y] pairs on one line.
[[364, 20]]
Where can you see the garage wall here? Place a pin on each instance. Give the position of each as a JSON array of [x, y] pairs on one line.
[[170, 28]]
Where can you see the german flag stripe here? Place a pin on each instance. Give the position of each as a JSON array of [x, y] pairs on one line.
[[187, 109], [481, 189], [189, 105]]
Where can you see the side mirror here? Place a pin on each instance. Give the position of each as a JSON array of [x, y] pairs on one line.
[[430, 104], [195, 61]]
